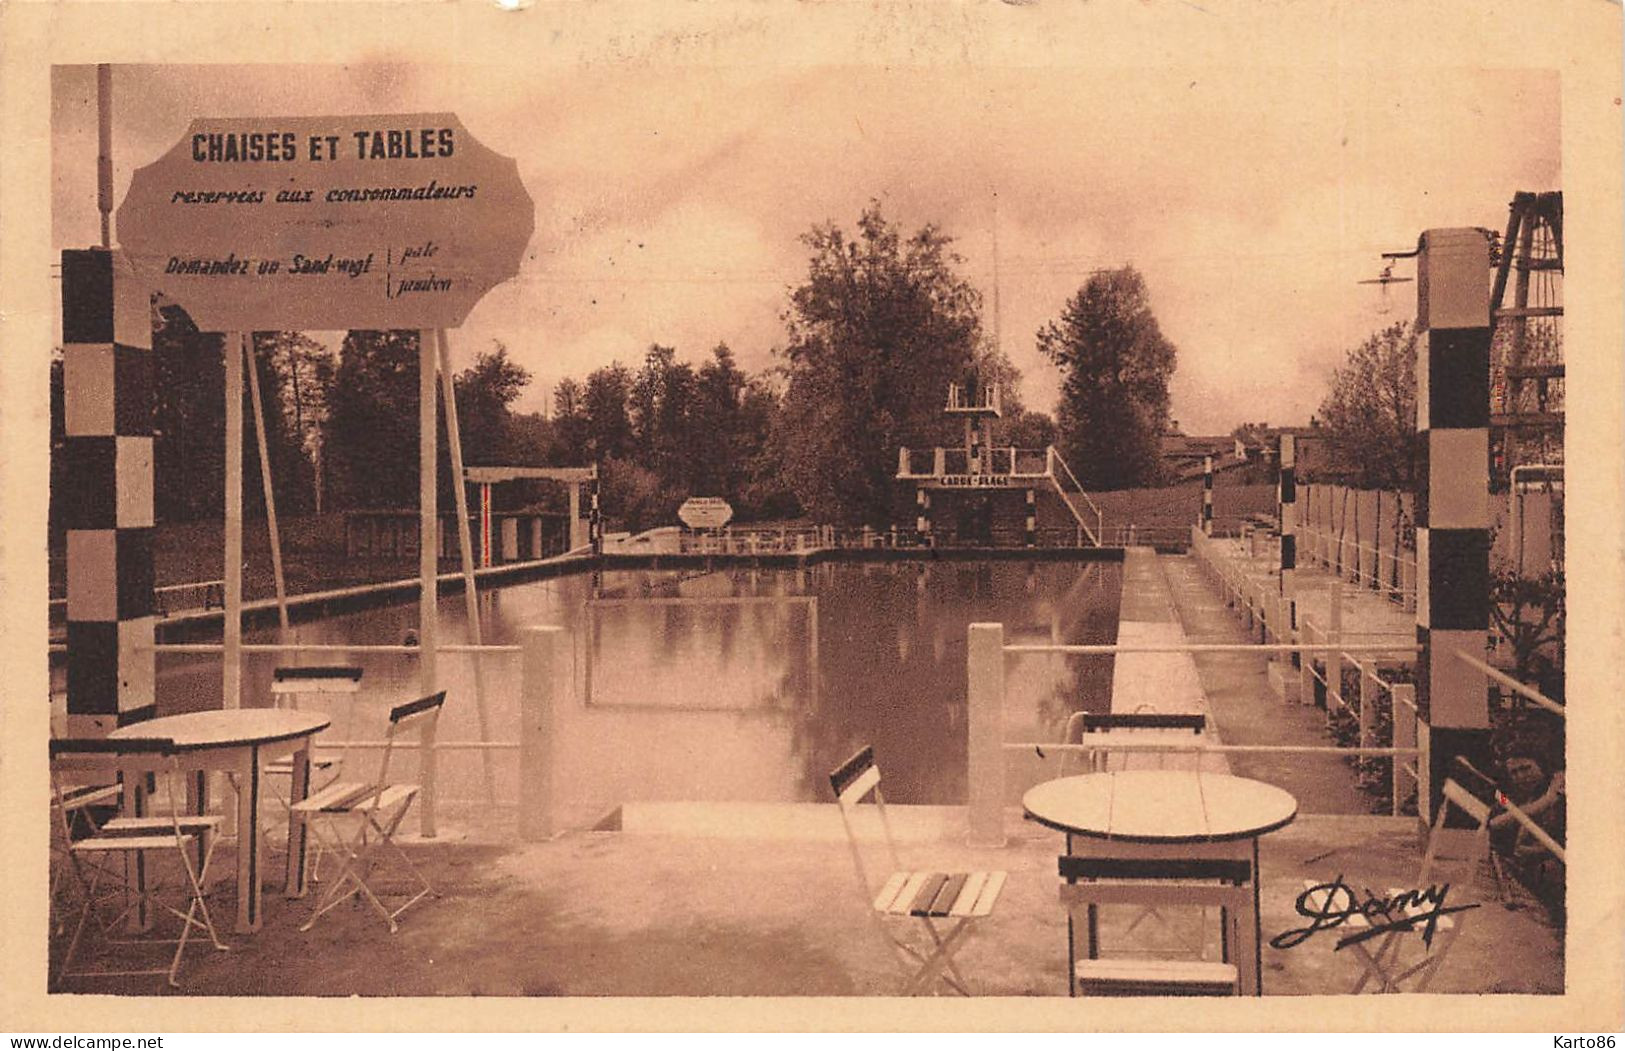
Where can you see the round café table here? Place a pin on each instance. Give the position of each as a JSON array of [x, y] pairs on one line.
[[239, 741], [1168, 814]]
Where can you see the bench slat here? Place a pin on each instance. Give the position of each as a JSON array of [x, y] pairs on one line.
[[888, 893], [989, 895], [967, 897]]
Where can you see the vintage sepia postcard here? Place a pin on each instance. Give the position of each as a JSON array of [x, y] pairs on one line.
[[964, 516]]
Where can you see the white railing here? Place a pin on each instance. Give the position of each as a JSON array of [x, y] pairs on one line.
[[1501, 678], [986, 651], [1052, 459], [429, 744], [1368, 565]]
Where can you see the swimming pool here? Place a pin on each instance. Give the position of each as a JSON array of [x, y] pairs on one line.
[[739, 684]]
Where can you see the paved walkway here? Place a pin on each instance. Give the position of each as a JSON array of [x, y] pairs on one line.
[[1166, 600], [1247, 711]]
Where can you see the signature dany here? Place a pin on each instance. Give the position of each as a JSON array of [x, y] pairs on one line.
[[1330, 905]]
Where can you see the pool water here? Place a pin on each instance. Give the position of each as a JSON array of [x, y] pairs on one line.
[[746, 685]]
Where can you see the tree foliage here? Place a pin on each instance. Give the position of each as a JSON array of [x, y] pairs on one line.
[[1114, 397], [485, 394], [373, 420], [1370, 412], [876, 332]]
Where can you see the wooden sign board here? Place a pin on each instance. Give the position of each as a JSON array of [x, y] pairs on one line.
[[371, 222], [705, 512]]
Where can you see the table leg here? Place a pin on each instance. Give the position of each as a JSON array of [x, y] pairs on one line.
[[197, 802], [298, 831], [248, 845], [1258, 926], [134, 804]]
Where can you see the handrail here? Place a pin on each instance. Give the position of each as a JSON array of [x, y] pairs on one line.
[[1056, 453], [317, 647], [1202, 647], [1513, 684], [1170, 746]]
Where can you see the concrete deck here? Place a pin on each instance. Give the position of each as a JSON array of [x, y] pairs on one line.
[[670, 907], [1367, 615]]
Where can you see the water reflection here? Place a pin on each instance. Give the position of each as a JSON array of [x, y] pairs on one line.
[[739, 685]]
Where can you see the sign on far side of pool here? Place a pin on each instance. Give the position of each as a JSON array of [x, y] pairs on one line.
[[705, 512], [372, 222]]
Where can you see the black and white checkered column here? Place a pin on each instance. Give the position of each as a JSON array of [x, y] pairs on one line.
[[1032, 518], [1289, 534], [106, 497], [922, 520], [1207, 495], [1452, 501]]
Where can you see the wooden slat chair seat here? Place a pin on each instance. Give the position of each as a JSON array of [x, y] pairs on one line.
[[1089, 883], [1383, 966], [928, 897], [373, 810], [132, 840]]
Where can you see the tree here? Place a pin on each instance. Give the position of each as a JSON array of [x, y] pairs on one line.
[[485, 392], [189, 419], [373, 419], [1114, 397], [879, 328], [609, 425], [1370, 412], [570, 423]]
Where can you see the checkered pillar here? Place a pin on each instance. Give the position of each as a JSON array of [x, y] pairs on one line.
[[1207, 496], [922, 520], [1452, 502], [1289, 535], [106, 497], [1032, 518]]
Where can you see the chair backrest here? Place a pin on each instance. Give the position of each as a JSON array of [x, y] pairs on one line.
[[323, 678], [1477, 811], [1081, 723], [342, 679], [415, 715], [1172, 881], [853, 781], [111, 758]]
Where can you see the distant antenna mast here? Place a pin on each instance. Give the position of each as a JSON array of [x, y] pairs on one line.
[[997, 341]]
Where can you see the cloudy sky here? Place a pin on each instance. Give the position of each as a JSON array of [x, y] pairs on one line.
[[669, 202]]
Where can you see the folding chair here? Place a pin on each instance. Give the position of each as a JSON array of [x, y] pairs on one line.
[[965, 898], [373, 810], [73, 814], [1437, 934], [1126, 726], [131, 840], [325, 768], [1140, 727], [1088, 883]]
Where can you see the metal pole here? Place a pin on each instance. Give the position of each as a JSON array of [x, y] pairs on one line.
[[465, 548], [985, 696], [232, 631], [265, 482], [428, 570], [104, 150]]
